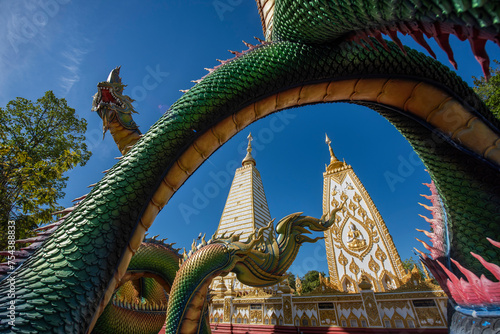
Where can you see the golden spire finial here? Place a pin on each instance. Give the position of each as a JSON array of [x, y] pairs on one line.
[[248, 158], [333, 158], [334, 162], [250, 138]]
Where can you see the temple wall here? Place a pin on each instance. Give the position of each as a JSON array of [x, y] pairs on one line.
[[280, 312]]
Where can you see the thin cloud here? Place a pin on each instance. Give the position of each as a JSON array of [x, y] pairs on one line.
[[32, 33], [11, 36], [73, 58]]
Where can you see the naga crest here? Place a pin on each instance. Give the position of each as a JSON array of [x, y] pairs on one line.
[[111, 105]]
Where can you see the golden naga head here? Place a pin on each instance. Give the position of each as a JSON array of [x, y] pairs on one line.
[[265, 257], [110, 103]]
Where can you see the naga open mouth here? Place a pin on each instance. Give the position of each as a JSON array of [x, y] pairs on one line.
[[106, 97]]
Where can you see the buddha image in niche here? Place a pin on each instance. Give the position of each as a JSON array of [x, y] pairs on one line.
[[355, 240]]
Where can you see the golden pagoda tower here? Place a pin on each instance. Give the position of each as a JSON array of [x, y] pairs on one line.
[[358, 244], [246, 209], [245, 212]]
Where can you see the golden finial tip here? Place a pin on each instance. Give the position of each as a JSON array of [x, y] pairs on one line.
[[248, 158], [333, 158]]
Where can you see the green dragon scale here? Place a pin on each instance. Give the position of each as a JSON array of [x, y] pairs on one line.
[[139, 305], [315, 51]]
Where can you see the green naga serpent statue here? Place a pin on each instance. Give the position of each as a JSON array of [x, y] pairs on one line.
[[314, 52], [261, 261]]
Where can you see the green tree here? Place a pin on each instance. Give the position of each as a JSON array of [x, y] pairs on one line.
[[310, 281], [39, 142], [489, 91]]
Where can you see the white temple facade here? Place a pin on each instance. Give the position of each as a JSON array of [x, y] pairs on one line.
[[359, 243]]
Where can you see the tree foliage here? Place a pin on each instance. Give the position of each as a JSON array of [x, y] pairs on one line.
[[489, 91], [39, 142], [310, 281]]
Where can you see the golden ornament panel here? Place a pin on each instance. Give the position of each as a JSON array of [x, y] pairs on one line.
[[328, 317], [429, 317]]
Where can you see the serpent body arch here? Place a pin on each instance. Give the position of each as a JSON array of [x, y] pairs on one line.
[[417, 94]]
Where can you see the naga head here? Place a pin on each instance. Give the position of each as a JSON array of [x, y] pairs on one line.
[[241, 251], [110, 103], [264, 259], [219, 256], [292, 228]]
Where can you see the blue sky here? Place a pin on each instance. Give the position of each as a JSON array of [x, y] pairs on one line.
[[69, 46]]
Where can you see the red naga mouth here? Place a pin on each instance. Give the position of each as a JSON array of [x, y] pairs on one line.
[[106, 96]]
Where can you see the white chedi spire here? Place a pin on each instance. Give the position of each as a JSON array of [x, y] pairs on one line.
[[246, 209]]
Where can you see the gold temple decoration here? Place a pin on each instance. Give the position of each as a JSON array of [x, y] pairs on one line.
[[381, 256], [342, 261], [354, 236], [359, 233], [227, 310], [373, 265], [249, 158], [334, 162], [241, 214], [221, 287], [364, 284], [287, 309], [354, 267], [298, 285], [355, 240]]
